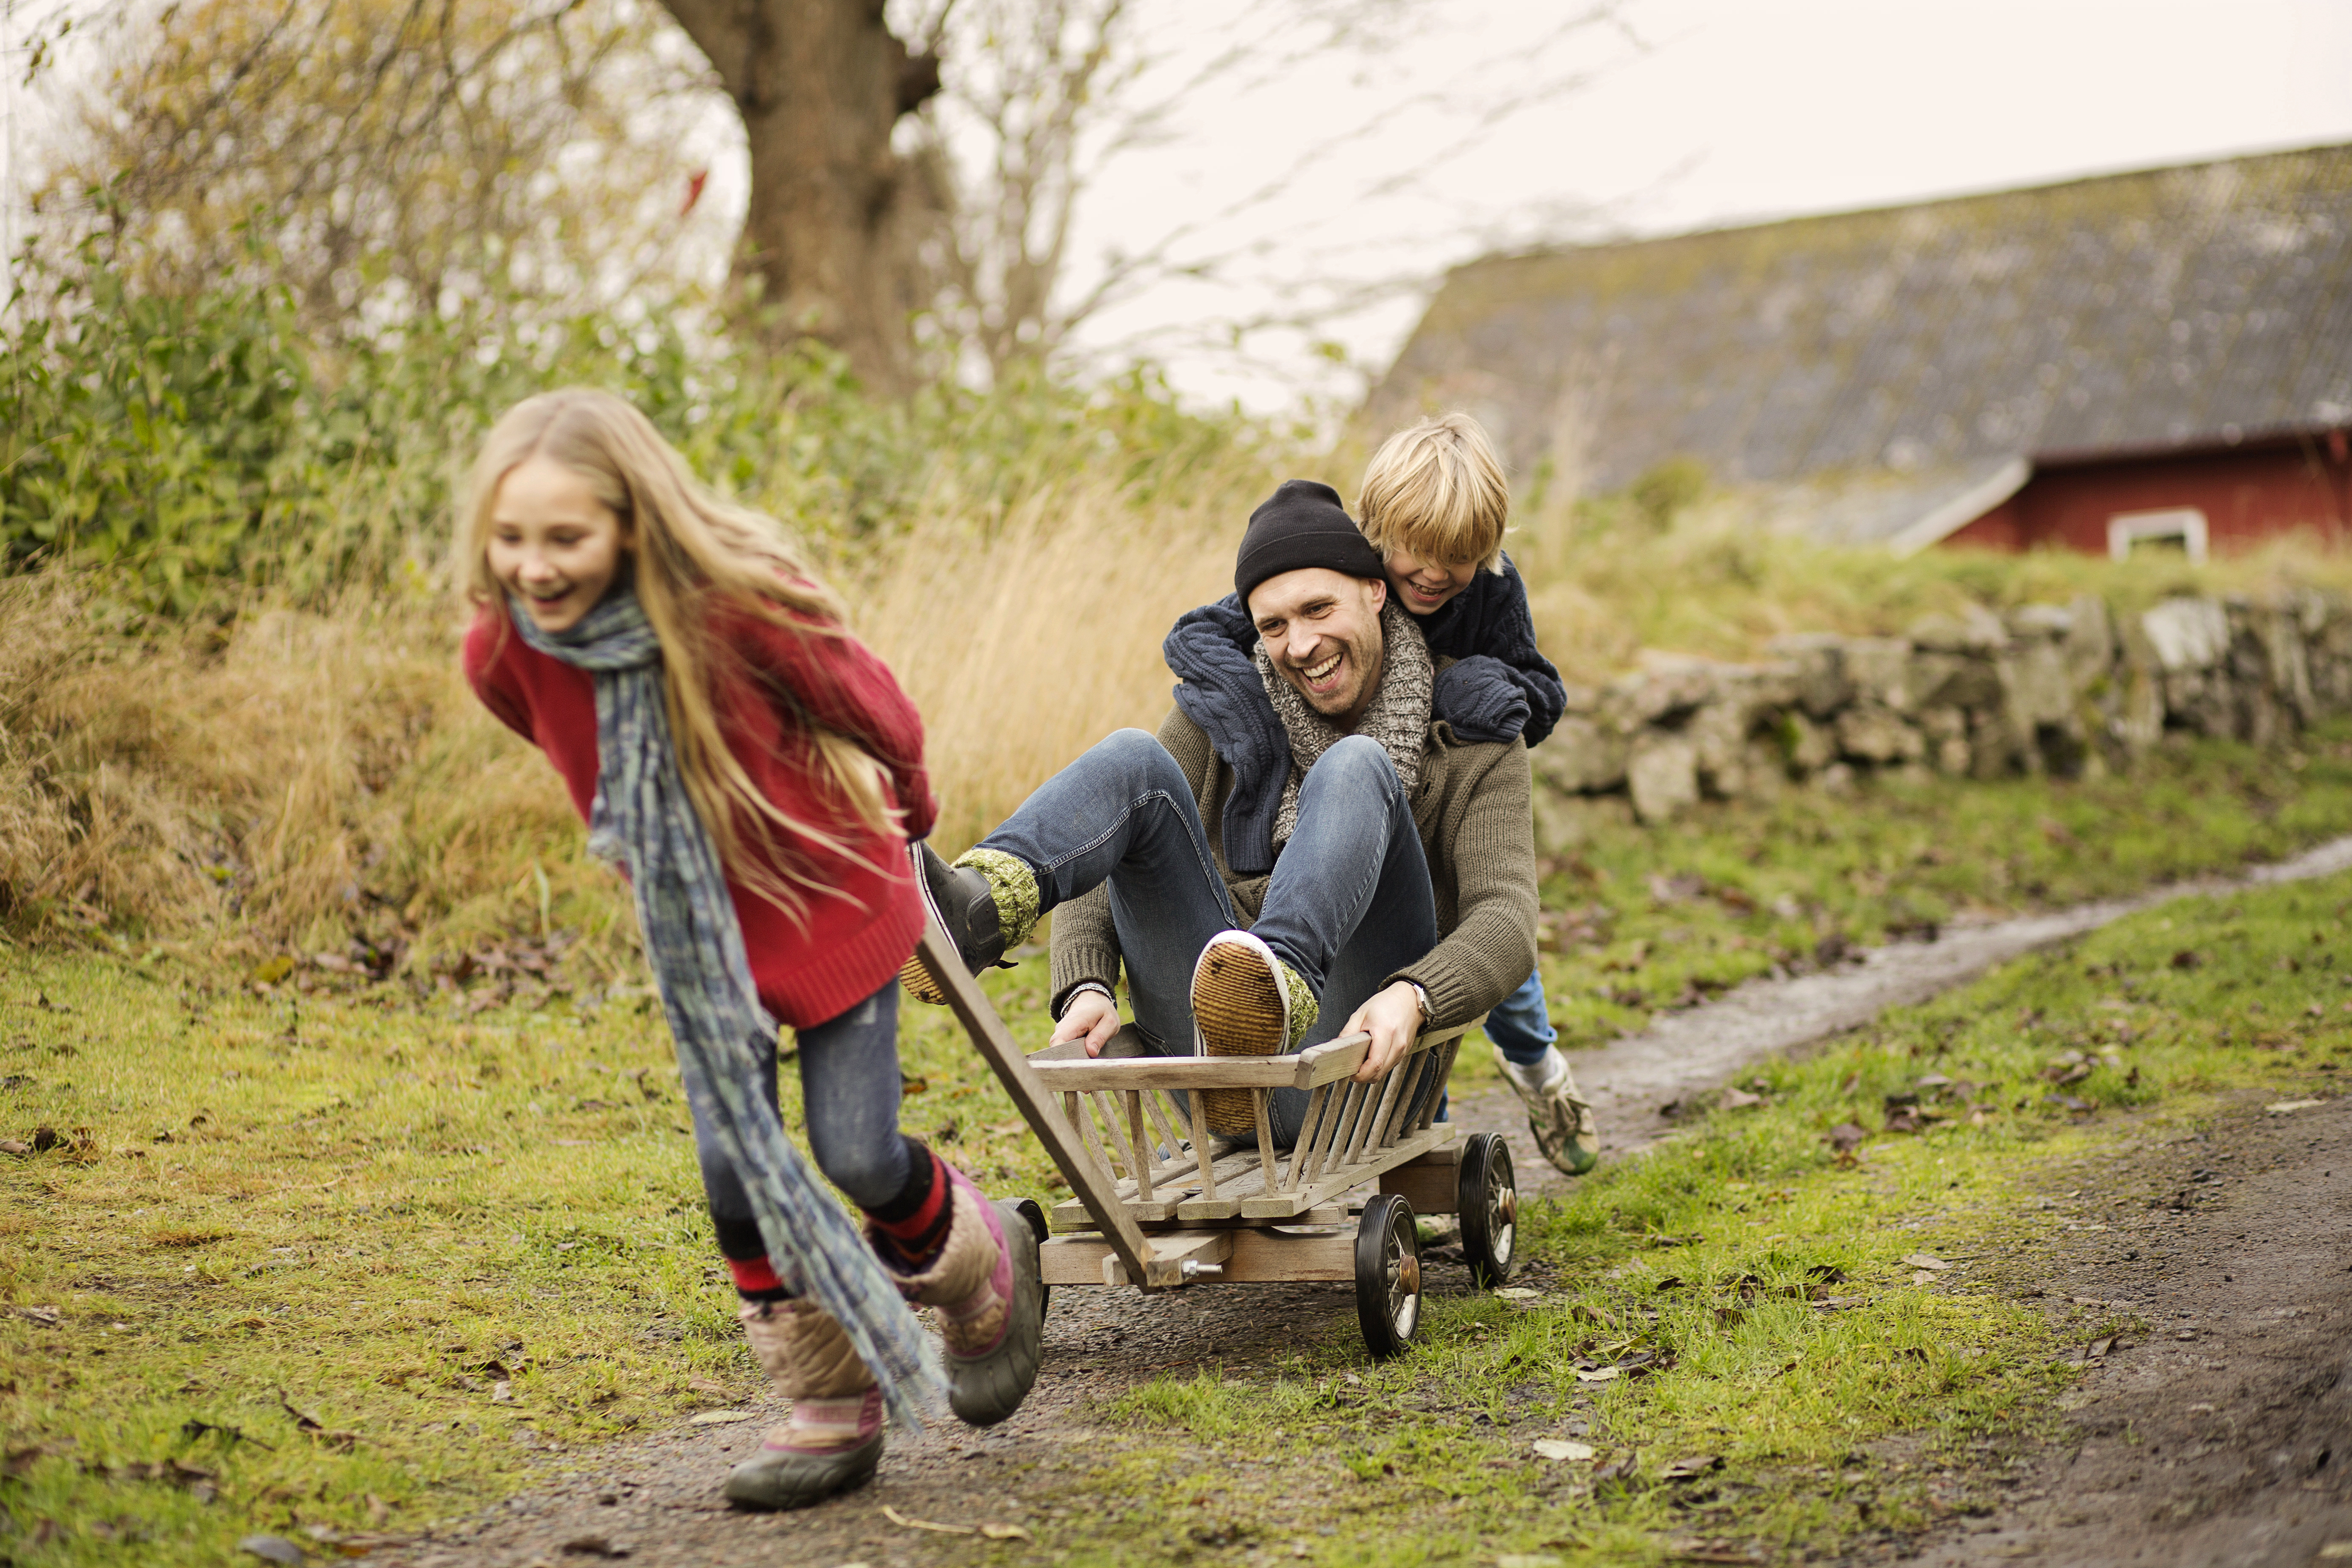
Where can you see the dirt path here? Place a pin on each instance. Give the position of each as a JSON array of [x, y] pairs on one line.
[[2216, 1432], [658, 1499]]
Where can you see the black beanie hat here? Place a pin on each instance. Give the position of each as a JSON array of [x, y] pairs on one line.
[[1301, 524]]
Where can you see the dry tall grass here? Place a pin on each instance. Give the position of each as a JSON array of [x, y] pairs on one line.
[[309, 778], [1025, 646]]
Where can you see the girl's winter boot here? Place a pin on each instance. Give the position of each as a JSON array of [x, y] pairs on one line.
[[833, 1441], [984, 1282]]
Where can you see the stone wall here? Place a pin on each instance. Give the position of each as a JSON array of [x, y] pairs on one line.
[[2065, 689]]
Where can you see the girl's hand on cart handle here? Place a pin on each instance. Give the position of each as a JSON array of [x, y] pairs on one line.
[[1091, 1016], [1392, 1018]]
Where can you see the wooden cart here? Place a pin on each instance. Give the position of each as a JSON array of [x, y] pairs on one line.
[[1150, 1207]]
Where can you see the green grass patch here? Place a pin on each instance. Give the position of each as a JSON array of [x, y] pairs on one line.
[[1732, 1325], [470, 1243]]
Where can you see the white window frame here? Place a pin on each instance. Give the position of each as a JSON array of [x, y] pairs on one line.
[[2185, 523]]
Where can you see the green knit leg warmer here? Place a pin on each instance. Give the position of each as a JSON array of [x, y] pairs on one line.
[[1012, 886]]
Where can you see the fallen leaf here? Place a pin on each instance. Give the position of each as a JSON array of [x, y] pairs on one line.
[[704, 1385], [1560, 1448], [715, 1418], [15, 1146], [1845, 1140], [1740, 1099], [1925, 1260], [44, 1316], [1598, 1374], [2284, 1106], [503, 1392], [2098, 1348], [1692, 1467], [594, 1546], [1004, 1532], [1905, 1119], [900, 1520], [273, 1548], [1518, 1293]]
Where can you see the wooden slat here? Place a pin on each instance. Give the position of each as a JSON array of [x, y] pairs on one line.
[[1031, 1097], [1336, 1186], [1258, 1098], [1249, 1256], [1304, 1148], [1303, 1070], [1141, 1143]]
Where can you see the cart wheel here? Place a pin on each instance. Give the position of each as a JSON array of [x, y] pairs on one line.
[[1035, 1215], [1388, 1274], [1490, 1210]]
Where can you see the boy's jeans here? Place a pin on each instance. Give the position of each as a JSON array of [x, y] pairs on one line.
[[1521, 1026], [1347, 906]]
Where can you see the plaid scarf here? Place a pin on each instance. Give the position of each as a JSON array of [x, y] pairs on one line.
[[645, 822]]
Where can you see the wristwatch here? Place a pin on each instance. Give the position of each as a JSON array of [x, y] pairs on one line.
[[1082, 987], [1421, 996]]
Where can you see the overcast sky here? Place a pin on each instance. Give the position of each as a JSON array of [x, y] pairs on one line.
[[1700, 113], [1693, 113]]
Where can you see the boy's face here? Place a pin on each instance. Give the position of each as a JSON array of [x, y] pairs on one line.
[[1423, 585]]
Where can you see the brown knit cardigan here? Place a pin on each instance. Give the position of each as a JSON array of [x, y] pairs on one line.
[[1473, 807]]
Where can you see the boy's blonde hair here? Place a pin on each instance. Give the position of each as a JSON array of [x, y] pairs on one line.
[[1437, 489], [691, 553]]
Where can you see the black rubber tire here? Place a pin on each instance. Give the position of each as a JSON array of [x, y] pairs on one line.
[[1388, 1276], [1489, 1199], [1036, 1214]]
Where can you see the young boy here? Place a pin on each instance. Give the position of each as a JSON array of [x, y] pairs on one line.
[[1434, 504]]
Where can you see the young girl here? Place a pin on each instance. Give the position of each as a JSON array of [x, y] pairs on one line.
[[756, 773]]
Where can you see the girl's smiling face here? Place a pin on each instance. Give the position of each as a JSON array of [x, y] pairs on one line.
[[553, 544], [1425, 585]]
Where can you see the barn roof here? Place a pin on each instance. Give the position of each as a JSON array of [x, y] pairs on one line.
[[1885, 368]]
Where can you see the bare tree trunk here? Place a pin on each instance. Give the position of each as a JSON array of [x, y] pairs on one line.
[[820, 84]]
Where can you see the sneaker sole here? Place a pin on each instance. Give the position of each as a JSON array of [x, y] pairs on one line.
[[1237, 1004], [917, 981], [913, 978]]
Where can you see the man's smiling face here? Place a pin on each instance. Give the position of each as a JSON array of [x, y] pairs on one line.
[[1322, 629]]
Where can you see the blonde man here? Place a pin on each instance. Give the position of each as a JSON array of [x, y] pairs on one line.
[[1436, 504]]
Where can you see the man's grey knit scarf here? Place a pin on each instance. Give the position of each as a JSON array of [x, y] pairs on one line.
[[1398, 718], [645, 823]]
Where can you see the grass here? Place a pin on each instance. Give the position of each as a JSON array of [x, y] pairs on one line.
[[305, 1187], [1787, 1382]]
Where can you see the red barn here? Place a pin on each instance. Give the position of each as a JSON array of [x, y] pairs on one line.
[[2160, 359]]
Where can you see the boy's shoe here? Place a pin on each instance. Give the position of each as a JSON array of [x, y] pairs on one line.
[[1560, 1118], [1246, 1003], [987, 1287], [834, 1439], [979, 901]]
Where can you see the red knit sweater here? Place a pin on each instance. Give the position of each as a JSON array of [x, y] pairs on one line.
[[852, 937]]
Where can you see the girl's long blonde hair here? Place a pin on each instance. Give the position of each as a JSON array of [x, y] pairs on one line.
[[693, 553]]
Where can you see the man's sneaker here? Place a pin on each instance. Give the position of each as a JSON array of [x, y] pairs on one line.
[[1560, 1118], [970, 900], [834, 1439], [1246, 1003]]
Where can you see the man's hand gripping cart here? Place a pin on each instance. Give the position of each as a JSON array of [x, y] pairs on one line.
[[1151, 1208]]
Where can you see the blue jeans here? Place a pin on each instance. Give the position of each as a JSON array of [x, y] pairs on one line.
[[1347, 906], [1521, 1027], [850, 1103]]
